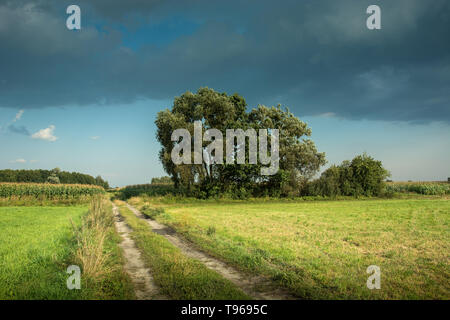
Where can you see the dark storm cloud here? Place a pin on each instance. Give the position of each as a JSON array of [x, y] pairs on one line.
[[18, 129], [317, 57]]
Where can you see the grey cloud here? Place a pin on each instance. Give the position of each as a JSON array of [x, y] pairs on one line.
[[18, 129], [317, 57]]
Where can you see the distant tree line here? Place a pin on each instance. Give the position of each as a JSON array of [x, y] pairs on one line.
[[54, 176]]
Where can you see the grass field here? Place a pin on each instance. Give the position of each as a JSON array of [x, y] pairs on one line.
[[321, 250], [37, 244], [315, 249]]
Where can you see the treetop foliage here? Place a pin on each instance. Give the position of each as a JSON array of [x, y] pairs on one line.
[[362, 176], [299, 158], [162, 180]]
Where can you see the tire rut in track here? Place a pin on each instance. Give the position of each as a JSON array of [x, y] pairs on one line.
[[144, 285], [257, 287]]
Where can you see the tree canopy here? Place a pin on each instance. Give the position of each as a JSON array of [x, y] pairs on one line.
[[299, 159], [361, 176], [162, 180]]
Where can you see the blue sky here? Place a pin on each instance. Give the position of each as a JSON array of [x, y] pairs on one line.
[[97, 90]]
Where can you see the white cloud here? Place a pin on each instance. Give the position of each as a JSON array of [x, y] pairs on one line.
[[18, 161], [33, 161], [45, 134], [95, 137], [18, 115]]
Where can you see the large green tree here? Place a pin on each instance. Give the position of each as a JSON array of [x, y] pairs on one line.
[[299, 158]]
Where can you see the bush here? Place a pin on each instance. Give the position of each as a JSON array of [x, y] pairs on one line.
[[162, 180], [363, 176], [151, 190]]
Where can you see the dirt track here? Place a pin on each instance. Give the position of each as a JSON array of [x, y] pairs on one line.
[[255, 286], [144, 286]]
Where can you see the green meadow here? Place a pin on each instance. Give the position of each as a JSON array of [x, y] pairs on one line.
[[37, 244], [321, 249], [310, 247]]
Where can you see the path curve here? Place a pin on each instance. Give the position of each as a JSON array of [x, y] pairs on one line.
[[258, 287]]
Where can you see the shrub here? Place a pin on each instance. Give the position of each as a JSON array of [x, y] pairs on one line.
[[162, 180], [363, 176], [151, 190]]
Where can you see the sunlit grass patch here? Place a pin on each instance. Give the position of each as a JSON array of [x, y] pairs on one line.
[[37, 244]]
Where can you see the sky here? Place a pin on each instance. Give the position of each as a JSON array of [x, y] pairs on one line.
[[86, 100]]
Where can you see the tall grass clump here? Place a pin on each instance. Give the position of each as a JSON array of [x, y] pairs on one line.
[[98, 254], [91, 237]]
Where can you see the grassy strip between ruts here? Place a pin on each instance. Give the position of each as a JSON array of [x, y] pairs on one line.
[[37, 244], [179, 277]]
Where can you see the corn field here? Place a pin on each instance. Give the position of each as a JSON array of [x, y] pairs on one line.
[[426, 188], [48, 191]]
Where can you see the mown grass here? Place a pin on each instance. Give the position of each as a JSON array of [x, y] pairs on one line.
[[37, 244], [178, 276], [321, 250]]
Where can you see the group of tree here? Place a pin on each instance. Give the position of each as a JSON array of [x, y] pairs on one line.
[[299, 160], [162, 180], [54, 176], [362, 176]]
